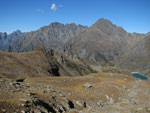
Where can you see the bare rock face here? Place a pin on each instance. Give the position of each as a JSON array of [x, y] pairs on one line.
[[53, 36], [103, 42], [138, 57], [48, 79], [3, 37], [7, 39]]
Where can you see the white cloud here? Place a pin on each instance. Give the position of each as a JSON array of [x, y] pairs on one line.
[[53, 7]]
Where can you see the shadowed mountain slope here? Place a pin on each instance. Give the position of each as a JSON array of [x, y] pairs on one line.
[[40, 62], [101, 44]]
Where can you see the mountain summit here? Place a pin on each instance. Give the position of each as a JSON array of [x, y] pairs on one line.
[[101, 44], [52, 36], [7, 39]]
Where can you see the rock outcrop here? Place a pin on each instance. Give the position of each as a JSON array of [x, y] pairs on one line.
[[41, 62]]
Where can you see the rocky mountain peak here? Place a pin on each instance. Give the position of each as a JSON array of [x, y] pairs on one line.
[[3, 35], [106, 26], [16, 33], [60, 25], [103, 21], [56, 25], [53, 36]]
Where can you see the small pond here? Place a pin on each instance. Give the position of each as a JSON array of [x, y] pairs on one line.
[[137, 75]]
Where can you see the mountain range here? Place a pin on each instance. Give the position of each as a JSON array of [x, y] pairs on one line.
[[52, 36], [102, 44], [7, 39], [75, 69]]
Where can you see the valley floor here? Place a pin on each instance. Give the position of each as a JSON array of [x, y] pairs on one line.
[[93, 93]]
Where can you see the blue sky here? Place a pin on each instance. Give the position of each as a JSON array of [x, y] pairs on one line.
[[28, 15]]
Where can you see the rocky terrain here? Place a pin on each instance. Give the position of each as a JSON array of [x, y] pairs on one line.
[[74, 69], [138, 57], [103, 43], [41, 62], [7, 39], [53, 36], [93, 93]]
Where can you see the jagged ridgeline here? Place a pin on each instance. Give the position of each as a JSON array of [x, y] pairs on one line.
[[41, 71], [53, 36], [101, 44], [7, 39]]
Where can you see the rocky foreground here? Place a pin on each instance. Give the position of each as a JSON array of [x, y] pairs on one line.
[[93, 93]]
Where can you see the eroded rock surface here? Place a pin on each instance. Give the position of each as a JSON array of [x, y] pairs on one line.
[[109, 94]]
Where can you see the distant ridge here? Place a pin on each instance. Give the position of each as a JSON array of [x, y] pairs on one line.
[[7, 39], [103, 43], [52, 36]]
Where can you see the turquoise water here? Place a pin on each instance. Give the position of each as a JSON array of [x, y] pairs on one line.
[[137, 75]]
